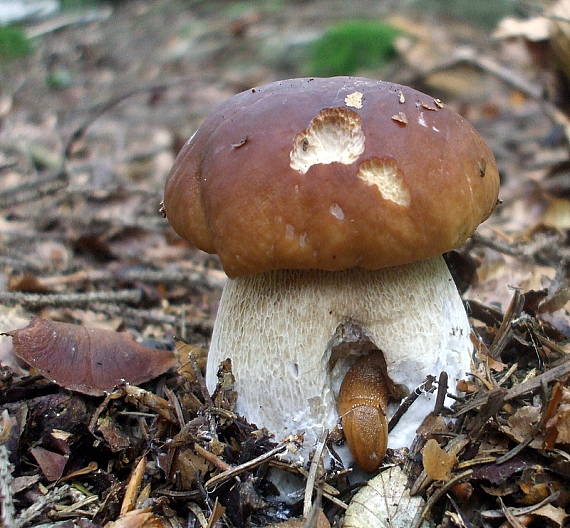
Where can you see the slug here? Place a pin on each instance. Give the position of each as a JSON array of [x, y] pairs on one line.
[[361, 404]]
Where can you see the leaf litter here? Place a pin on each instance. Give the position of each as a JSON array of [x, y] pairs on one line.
[[82, 244]]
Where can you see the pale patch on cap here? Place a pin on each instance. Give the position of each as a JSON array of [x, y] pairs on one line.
[[385, 175], [334, 135], [354, 100]]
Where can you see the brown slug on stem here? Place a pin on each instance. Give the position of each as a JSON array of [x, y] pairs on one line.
[[362, 402]]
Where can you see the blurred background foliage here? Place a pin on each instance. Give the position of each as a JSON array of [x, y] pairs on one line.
[[350, 46], [13, 43]]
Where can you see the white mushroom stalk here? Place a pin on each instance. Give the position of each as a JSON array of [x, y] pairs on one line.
[[279, 330]]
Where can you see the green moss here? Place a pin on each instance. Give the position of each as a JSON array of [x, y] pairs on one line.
[[13, 43], [351, 46]]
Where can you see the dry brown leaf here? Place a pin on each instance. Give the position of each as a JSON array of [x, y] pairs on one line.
[[557, 214], [467, 386], [87, 360], [522, 424], [561, 419], [533, 29], [189, 465], [437, 462], [139, 519], [188, 354], [557, 515], [52, 464]]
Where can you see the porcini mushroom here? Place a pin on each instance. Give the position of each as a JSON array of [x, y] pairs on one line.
[[331, 201]]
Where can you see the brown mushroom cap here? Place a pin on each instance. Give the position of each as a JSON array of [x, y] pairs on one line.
[[330, 174]]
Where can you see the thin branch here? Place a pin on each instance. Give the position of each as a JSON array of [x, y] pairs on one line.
[[38, 300], [426, 386], [317, 455], [230, 473]]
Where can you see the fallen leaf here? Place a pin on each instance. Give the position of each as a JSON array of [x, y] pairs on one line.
[[561, 419], [52, 464], [437, 462], [138, 519], [385, 502], [552, 513], [87, 360]]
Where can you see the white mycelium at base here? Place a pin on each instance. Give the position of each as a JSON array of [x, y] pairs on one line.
[[276, 327]]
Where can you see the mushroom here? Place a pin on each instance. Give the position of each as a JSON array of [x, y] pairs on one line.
[[330, 203]]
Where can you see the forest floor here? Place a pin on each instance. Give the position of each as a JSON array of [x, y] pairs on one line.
[[90, 124]]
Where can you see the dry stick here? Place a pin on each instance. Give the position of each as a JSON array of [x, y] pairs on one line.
[[504, 333], [6, 478], [511, 519], [98, 110], [514, 451], [133, 487], [509, 77], [212, 458], [426, 386], [131, 275], [230, 473], [526, 252], [557, 373], [313, 473], [439, 493], [37, 300], [499, 514], [19, 264], [31, 191], [311, 519], [497, 245], [441, 393], [46, 501]]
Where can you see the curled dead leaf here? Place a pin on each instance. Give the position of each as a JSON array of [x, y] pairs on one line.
[[87, 360]]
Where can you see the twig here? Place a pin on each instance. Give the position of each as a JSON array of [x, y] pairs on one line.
[[31, 191], [230, 473], [515, 451], [18, 264], [66, 20], [317, 455], [426, 386], [37, 300], [504, 333], [168, 276], [212, 458], [497, 245], [499, 514], [518, 82], [133, 487], [511, 519], [41, 503], [439, 493], [441, 392], [312, 516], [6, 480], [98, 110], [557, 373]]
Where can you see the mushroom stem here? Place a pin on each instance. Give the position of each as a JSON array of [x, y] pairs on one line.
[[362, 404], [278, 329]]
